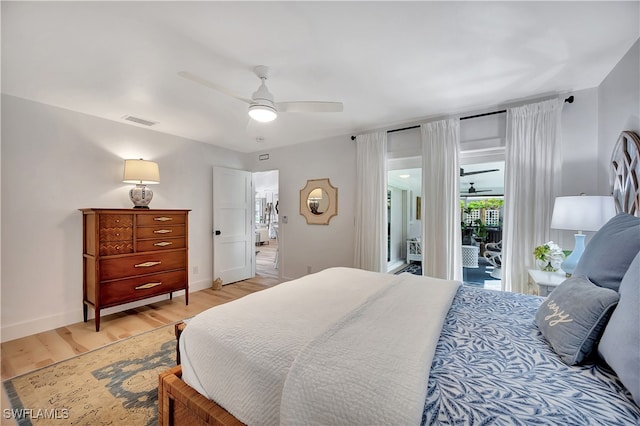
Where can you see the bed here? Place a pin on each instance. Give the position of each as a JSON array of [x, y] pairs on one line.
[[345, 346]]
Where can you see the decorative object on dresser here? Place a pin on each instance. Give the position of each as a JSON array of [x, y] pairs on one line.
[[141, 173], [132, 254], [580, 213]]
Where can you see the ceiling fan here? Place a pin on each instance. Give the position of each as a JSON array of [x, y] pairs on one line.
[[463, 173], [262, 107], [473, 190]]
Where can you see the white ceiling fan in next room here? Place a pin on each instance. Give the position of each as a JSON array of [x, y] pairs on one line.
[[262, 106]]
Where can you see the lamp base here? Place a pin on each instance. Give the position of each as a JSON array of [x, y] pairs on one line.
[[570, 263], [141, 196]]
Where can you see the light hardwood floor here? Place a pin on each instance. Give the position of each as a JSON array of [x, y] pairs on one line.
[[39, 350], [266, 258]]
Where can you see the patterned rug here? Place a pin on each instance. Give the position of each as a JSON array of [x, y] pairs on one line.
[[114, 385]]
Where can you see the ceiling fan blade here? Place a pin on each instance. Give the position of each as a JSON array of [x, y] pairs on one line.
[[210, 85], [309, 106], [463, 173]]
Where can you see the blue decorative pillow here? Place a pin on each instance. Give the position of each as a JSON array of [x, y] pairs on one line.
[[573, 316], [620, 344], [610, 252]]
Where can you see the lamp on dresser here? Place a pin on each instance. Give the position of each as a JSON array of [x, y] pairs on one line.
[[141, 173], [580, 213]]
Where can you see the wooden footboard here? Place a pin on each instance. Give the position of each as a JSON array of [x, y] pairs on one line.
[[180, 404]]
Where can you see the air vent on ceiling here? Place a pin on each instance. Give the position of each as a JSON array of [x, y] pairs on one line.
[[139, 120]]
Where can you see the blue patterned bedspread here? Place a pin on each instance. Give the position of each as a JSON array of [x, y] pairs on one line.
[[493, 367]]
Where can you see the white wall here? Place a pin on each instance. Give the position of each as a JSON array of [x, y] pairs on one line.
[[618, 109], [55, 161], [315, 246]]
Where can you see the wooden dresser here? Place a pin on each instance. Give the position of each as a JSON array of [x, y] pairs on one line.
[[132, 254]]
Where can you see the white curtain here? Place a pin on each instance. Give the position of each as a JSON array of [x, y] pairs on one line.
[[532, 178], [441, 234], [371, 202]]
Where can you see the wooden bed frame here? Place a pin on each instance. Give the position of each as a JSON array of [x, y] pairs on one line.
[[180, 404]]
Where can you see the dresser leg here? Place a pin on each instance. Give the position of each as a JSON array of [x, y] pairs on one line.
[[170, 296], [85, 312], [186, 296], [97, 319]]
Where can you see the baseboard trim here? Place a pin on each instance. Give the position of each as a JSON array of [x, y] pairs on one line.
[[39, 325]]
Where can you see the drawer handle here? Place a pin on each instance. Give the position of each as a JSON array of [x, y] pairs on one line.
[[162, 218], [146, 264], [148, 285], [163, 244], [163, 231]]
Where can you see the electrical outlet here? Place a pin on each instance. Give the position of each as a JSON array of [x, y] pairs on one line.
[[195, 270]]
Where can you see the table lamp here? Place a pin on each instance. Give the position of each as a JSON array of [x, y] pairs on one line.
[[580, 213], [141, 173]]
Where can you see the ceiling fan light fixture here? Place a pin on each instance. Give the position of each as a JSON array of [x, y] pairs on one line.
[[262, 113]]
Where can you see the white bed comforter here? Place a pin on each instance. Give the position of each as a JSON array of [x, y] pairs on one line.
[[342, 346]]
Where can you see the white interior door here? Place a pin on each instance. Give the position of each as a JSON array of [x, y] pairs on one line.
[[232, 225]]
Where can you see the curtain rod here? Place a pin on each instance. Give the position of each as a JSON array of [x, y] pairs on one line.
[[569, 100]]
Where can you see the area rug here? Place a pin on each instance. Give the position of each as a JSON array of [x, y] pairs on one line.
[[113, 385]]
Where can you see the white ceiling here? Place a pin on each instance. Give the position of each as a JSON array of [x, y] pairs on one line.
[[390, 63]]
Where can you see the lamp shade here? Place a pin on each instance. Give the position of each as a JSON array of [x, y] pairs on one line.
[[582, 212], [141, 172], [316, 194]]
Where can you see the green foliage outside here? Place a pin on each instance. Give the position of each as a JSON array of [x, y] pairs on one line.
[[490, 203]]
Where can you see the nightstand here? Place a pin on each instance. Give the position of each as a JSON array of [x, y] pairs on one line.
[[546, 281]]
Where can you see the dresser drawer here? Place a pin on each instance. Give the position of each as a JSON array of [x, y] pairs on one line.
[[161, 219], [108, 248], [116, 234], [116, 292], [160, 231], [139, 264], [162, 244], [116, 221]]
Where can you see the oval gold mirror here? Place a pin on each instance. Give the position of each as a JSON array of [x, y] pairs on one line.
[[318, 201]]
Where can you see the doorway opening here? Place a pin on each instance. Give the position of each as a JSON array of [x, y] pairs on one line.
[[481, 204], [403, 219], [266, 225]]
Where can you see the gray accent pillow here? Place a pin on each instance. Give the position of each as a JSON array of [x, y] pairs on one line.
[[620, 344], [609, 253], [573, 316]]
